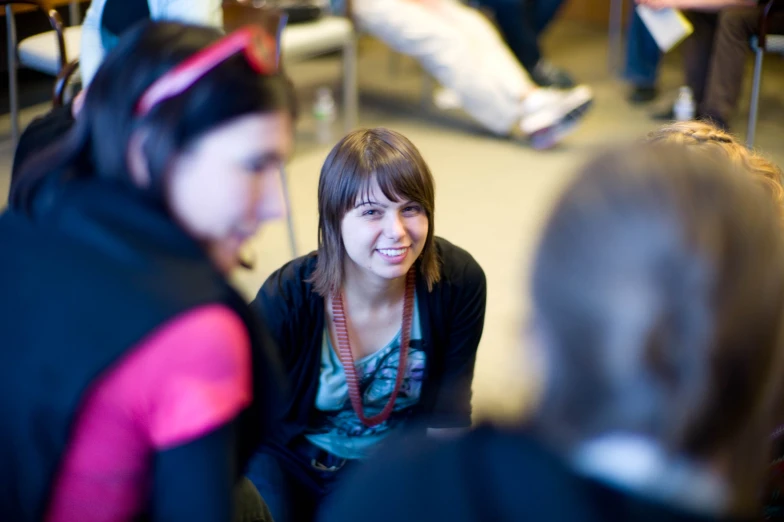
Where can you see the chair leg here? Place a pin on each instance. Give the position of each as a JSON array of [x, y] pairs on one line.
[[13, 85], [350, 87], [74, 13], [289, 213], [615, 37], [755, 91]]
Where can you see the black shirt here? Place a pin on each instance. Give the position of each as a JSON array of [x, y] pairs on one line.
[[452, 318], [488, 475]]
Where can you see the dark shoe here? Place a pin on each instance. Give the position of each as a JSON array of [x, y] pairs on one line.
[[664, 114], [663, 108], [545, 74], [642, 95]]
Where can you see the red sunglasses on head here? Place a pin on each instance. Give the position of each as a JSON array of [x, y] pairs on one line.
[[258, 47]]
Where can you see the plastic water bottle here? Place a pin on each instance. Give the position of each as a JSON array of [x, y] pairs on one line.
[[324, 114], [684, 108]]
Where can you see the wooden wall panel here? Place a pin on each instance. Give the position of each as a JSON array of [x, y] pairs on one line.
[[590, 11]]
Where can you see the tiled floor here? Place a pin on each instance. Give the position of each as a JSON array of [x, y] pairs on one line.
[[492, 195]]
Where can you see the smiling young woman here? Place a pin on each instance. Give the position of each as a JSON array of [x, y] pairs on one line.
[[379, 280]]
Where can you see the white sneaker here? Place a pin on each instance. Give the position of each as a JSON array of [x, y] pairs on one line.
[[447, 99], [549, 115]]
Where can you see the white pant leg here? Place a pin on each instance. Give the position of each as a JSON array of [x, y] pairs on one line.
[[492, 47], [91, 51], [460, 48], [199, 12]]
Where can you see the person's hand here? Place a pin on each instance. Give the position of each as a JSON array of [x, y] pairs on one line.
[[78, 103]]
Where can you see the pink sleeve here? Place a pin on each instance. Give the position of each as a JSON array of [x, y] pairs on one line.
[[199, 378], [185, 379]]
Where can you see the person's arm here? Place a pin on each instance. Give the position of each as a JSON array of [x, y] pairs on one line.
[[467, 317], [172, 397], [697, 5], [277, 304], [200, 12], [195, 481], [198, 384]]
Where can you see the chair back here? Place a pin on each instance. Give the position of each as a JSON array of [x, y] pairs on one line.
[[62, 81], [770, 8], [55, 21]]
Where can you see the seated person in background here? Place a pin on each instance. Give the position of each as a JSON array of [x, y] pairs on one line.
[[522, 23], [657, 307], [464, 52], [715, 55], [336, 315], [140, 383], [643, 57], [106, 20]]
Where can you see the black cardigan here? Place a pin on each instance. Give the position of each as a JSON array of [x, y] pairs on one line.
[[452, 317]]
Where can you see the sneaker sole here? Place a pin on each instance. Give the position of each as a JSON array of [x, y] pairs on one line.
[[549, 137], [544, 119]]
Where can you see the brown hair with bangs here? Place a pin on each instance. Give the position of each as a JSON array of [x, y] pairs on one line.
[[354, 163]]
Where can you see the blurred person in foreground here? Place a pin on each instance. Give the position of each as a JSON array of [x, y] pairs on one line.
[[104, 23], [135, 383], [657, 303], [709, 137]]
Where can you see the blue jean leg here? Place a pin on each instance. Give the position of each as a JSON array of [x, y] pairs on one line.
[[291, 486], [544, 11], [642, 55]]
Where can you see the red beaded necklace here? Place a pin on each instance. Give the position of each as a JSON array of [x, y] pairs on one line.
[[347, 358]]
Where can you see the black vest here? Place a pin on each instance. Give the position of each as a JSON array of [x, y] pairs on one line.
[[81, 284]]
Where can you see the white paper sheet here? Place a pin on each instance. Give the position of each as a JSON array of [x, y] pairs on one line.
[[667, 26]]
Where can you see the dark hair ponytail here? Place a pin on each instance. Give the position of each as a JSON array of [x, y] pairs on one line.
[[97, 144]]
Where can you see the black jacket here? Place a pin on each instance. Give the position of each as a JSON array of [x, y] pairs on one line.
[[452, 317], [95, 271], [487, 476]]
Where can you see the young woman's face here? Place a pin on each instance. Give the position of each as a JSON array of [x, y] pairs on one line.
[[384, 238], [227, 183]]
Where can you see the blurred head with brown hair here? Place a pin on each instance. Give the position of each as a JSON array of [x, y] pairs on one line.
[[658, 297], [710, 138]]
